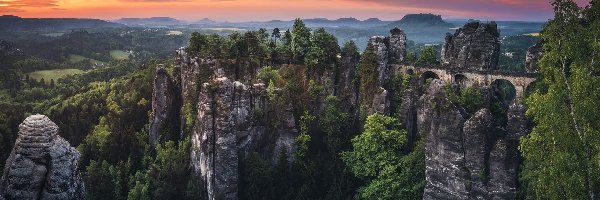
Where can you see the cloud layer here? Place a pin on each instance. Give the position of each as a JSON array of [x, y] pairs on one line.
[[246, 10], [21, 5]]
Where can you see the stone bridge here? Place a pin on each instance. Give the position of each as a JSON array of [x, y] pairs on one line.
[[520, 81]]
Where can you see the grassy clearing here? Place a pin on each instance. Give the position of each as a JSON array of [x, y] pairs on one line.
[[119, 55], [73, 58], [533, 34], [225, 29], [53, 34], [53, 74], [174, 33]]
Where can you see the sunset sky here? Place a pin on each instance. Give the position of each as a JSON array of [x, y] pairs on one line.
[[257, 10]]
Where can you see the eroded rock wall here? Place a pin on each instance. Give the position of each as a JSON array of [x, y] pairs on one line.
[[165, 115], [42, 165], [468, 157], [476, 46]]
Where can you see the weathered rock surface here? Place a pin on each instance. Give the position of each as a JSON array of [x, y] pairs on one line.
[[444, 150], [346, 90], [533, 56], [476, 46], [389, 50], [408, 114], [468, 159], [226, 129], [42, 165], [163, 108], [397, 46], [381, 103], [476, 132]]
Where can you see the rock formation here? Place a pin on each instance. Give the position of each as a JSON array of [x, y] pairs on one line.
[[442, 123], [226, 128], [476, 46], [165, 115], [346, 90], [42, 165], [533, 56], [389, 50], [467, 158]]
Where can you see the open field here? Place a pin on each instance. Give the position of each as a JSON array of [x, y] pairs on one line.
[[53, 74], [119, 55], [174, 33], [533, 34], [73, 58], [225, 29], [53, 34]]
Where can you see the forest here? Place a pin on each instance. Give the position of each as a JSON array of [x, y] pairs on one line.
[[341, 152]]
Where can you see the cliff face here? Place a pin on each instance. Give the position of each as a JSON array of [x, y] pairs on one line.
[[476, 46], [230, 121], [165, 110], [390, 50], [42, 165], [468, 158]]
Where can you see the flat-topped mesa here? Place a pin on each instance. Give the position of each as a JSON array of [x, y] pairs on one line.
[[42, 165], [476, 46]]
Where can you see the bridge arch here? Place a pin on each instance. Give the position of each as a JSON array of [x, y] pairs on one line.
[[428, 75], [505, 90], [461, 80]]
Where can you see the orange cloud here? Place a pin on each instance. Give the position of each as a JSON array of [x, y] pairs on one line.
[[246, 10]]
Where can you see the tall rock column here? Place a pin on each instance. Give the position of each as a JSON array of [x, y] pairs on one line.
[[444, 149], [476, 46], [214, 149], [165, 115], [42, 165]]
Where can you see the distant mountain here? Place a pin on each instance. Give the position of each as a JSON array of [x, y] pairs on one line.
[[152, 21], [204, 21], [15, 23], [421, 20], [423, 28], [347, 20], [373, 20]]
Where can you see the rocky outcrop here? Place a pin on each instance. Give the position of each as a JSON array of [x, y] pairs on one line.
[[444, 150], [381, 50], [408, 114], [42, 165], [227, 127], [468, 158], [476, 46], [397, 46], [165, 117], [389, 50], [381, 103], [346, 89], [214, 148], [533, 56]]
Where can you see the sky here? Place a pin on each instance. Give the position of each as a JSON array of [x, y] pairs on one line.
[[261, 10]]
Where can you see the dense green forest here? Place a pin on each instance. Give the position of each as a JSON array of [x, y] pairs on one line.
[[105, 112]]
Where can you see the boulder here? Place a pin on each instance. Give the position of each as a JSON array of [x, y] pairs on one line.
[[42, 165]]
